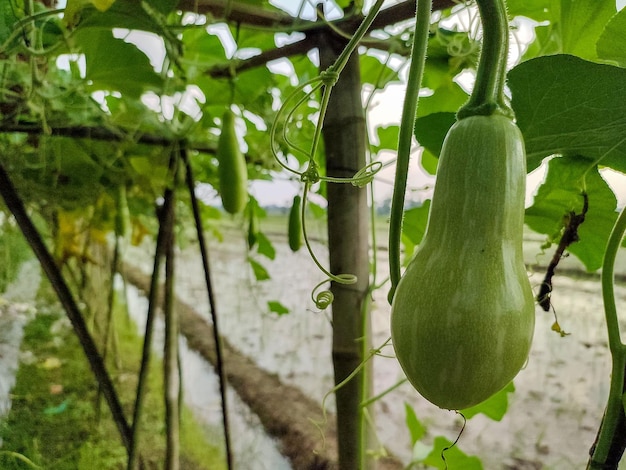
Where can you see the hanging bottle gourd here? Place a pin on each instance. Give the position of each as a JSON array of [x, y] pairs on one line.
[[232, 170], [463, 313]]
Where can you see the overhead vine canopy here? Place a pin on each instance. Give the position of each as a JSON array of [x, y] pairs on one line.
[[143, 76]]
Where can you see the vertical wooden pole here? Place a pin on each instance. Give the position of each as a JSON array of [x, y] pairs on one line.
[[348, 223]]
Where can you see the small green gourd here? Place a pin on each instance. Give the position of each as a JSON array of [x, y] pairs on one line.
[[294, 231], [232, 169], [463, 313]]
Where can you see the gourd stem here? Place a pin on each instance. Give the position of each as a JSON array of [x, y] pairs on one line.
[[488, 94], [614, 407], [342, 60], [416, 71]]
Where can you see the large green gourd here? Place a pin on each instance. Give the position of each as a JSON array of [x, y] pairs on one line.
[[232, 169], [463, 313]]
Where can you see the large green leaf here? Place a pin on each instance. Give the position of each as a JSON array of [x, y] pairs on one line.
[[113, 64], [430, 131], [573, 26], [582, 22], [561, 194], [612, 42], [566, 105]]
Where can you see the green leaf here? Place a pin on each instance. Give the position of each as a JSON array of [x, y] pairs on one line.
[[415, 426], [128, 14], [431, 130], [277, 307], [447, 98], [560, 194], [566, 105], [375, 72], [260, 273], [582, 23], [124, 111], [612, 42], [164, 6], [547, 42], [305, 69], [9, 11], [387, 138], [255, 39], [574, 26], [318, 211], [429, 162], [494, 407], [538, 10], [413, 227], [102, 5], [202, 51], [113, 64], [454, 457], [264, 246], [71, 15], [251, 87]]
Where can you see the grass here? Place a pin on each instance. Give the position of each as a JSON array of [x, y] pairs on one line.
[[54, 421]]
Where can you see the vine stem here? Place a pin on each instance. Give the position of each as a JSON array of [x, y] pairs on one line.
[[339, 278], [343, 58], [488, 94], [416, 71], [326, 80], [614, 408]]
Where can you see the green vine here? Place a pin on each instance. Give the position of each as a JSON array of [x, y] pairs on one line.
[[488, 94], [615, 406], [416, 71], [487, 98], [311, 175]]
